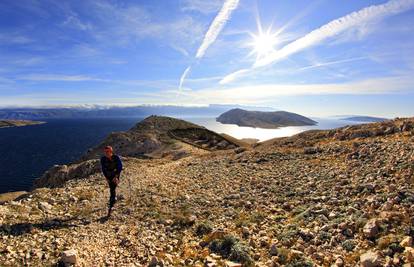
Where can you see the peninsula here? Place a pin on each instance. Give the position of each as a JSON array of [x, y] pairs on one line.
[[18, 123]]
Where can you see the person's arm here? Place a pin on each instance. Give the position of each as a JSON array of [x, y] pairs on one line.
[[118, 166], [103, 168]]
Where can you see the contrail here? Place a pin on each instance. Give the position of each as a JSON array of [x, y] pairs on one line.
[[185, 73], [331, 29], [317, 65], [217, 25], [213, 31]]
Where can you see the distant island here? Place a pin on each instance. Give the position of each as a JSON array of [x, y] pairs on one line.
[[262, 119], [18, 123], [364, 119]]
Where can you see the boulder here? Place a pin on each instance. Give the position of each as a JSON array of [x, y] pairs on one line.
[[69, 257], [370, 259], [371, 228]]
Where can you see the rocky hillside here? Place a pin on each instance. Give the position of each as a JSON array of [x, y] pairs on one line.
[[343, 197], [158, 136], [261, 119], [153, 137]]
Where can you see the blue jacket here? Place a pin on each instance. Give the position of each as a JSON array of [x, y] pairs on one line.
[[111, 167]]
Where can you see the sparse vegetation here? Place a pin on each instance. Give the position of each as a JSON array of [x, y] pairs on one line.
[[270, 203]]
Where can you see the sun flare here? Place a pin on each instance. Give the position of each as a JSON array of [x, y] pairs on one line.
[[263, 43]]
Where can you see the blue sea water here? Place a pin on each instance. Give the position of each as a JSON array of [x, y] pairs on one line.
[[27, 152]]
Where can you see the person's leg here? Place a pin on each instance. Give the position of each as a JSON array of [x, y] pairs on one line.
[[112, 198]]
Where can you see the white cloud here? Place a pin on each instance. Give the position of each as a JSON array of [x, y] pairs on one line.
[[57, 77], [74, 21], [14, 38], [334, 62], [217, 25], [201, 6], [128, 24], [213, 31], [333, 28], [233, 76], [337, 26], [266, 93]]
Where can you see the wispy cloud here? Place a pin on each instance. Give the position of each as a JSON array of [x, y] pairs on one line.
[[57, 77], [334, 62], [216, 26], [213, 31], [333, 28], [14, 38], [266, 93], [201, 6]]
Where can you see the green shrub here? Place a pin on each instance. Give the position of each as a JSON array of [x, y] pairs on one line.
[[348, 245], [231, 248], [204, 228]]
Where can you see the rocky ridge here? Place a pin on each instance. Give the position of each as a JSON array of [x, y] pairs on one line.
[[322, 198], [154, 137]]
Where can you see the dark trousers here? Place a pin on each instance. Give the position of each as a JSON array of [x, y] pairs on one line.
[[112, 197]]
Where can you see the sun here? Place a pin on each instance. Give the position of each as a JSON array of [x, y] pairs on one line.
[[263, 43]]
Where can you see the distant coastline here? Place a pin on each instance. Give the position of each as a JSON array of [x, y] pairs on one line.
[[18, 123]]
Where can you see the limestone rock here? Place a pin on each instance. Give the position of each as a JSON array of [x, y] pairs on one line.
[[69, 256], [371, 228], [370, 259]]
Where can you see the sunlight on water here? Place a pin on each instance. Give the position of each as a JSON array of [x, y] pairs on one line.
[[265, 134]]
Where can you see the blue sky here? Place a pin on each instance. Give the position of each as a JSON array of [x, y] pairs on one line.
[[313, 57]]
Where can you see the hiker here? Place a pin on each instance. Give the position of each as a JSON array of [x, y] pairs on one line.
[[111, 168]]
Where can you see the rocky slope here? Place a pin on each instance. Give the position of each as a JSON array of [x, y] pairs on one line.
[[342, 197], [158, 136], [153, 137], [17, 123], [261, 119]]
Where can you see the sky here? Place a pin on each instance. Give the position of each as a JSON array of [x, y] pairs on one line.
[[317, 58]]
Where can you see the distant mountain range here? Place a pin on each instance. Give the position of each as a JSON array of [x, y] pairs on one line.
[[261, 119], [117, 111]]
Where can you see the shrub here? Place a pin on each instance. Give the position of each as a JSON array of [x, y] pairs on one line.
[[230, 247], [348, 245], [241, 253], [203, 228]]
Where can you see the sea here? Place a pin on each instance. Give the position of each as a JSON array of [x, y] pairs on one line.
[[27, 152]]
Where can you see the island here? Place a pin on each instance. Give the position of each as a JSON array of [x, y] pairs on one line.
[[364, 119], [18, 123], [262, 119]]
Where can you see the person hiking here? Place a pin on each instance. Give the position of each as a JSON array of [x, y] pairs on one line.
[[111, 168]]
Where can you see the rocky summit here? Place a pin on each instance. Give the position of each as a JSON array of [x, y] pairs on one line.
[[341, 197]]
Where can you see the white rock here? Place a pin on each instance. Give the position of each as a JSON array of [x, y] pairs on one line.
[[44, 206]]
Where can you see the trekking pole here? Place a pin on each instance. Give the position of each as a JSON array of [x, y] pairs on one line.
[[129, 182]]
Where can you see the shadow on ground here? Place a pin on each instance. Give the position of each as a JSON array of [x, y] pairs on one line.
[[55, 223]]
